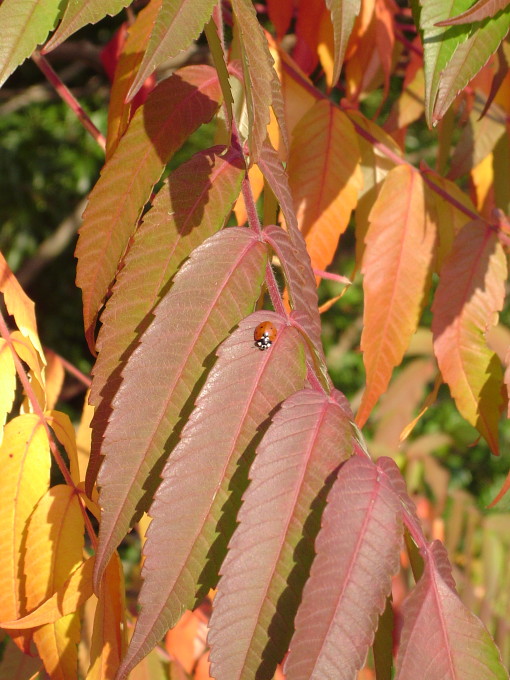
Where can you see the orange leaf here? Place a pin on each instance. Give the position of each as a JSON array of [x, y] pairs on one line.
[[397, 264], [25, 477], [54, 374], [8, 382], [471, 291], [181, 641], [18, 666], [257, 184], [324, 178], [54, 548]]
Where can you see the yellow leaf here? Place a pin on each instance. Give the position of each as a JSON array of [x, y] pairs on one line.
[[84, 438], [25, 459], [64, 431], [7, 381], [483, 179], [19, 305], [54, 375], [54, 548]]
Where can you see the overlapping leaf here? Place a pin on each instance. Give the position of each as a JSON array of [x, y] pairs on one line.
[[172, 111], [324, 178], [343, 15], [8, 382], [216, 447], [471, 291], [357, 556], [478, 12], [441, 638], [178, 23], [18, 666], [25, 24], [308, 439], [217, 287], [397, 265]]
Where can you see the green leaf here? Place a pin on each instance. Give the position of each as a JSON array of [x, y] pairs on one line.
[[480, 10], [25, 24]]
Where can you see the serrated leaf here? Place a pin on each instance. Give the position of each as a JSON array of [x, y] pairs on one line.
[[79, 13], [54, 548], [479, 11], [173, 110], [470, 293], [397, 265], [217, 287], [25, 477], [193, 203], [219, 437], [25, 24], [178, 23], [441, 638], [343, 14], [309, 438], [357, 555], [324, 178]]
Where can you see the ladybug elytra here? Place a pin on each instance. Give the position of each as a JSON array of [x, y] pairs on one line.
[[264, 335]]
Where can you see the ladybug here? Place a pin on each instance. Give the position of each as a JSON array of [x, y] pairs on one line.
[[264, 335]]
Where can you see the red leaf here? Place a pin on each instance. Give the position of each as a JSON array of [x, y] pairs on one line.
[[280, 12], [217, 287], [478, 12], [207, 470], [471, 291], [308, 439], [173, 110], [357, 555]]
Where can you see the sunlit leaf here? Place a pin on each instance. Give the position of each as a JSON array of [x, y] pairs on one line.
[[441, 638], [212, 292], [479, 11], [64, 430], [172, 111], [8, 382], [397, 266], [54, 377], [470, 293], [220, 436], [357, 555], [307, 440], [343, 14]]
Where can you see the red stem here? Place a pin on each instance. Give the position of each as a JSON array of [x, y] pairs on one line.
[[74, 371]]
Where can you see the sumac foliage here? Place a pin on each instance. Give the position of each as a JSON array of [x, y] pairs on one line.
[[275, 534]]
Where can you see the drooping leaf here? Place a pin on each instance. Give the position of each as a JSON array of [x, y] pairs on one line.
[[478, 12], [357, 555], [324, 178], [63, 428], [8, 382], [470, 293], [309, 438], [172, 111], [260, 80], [27, 353], [25, 24], [219, 437], [119, 110], [441, 638], [178, 23], [193, 203], [25, 478], [397, 266], [217, 287], [79, 13], [54, 548], [343, 14]]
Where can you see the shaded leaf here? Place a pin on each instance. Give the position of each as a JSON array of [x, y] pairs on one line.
[[280, 12], [17, 666], [54, 377], [178, 23], [79, 13], [471, 291], [324, 178], [357, 555], [396, 267], [25, 24], [479, 11], [219, 437], [343, 14], [63, 428], [173, 110], [217, 287], [441, 638], [308, 439]]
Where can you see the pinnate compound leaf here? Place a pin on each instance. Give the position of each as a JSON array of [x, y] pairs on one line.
[[478, 12], [308, 439], [357, 555], [25, 24], [441, 638], [397, 265], [173, 110], [324, 178], [212, 292], [25, 477], [216, 448], [192, 204], [54, 548], [79, 13], [343, 15], [470, 293]]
